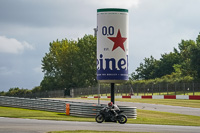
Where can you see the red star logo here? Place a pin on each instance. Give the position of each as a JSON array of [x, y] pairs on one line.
[[118, 41]]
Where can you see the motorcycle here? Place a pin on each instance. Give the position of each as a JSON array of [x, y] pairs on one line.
[[106, 114]]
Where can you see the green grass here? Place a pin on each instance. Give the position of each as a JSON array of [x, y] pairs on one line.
[[173, 102], [37, 114], [164, 118], [143, 117], [91, 131]]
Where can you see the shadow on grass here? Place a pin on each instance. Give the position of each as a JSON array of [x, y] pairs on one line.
[[61, 114]]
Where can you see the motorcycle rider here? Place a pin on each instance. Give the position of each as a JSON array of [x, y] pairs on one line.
[[113, 108]]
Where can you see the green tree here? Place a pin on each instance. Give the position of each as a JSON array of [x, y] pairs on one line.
[[18, 92], [70, 64], [166, 63], [36, 89], [146, 70], [2, 93], [182, 62], [87, 61], [185, 61], [195, 58]]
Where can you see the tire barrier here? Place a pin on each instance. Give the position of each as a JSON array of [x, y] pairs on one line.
[[68, 107]]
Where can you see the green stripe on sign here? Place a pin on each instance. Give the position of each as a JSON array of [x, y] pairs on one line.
[[112, 10]]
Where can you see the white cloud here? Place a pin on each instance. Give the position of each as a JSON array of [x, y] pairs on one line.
[[38, 69], [5, 71], [13, 46], [116, 3]]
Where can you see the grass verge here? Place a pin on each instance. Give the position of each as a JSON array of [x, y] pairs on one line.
[[37, 114], [144, 117], [173, 102]]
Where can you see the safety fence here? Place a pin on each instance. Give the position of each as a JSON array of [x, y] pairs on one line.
[[141, 89], [68, 107], [43, 94], [137, 89]]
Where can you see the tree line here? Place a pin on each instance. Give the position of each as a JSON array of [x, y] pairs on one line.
[[181, 65], [72, 64], [16, 91], [68, 64]]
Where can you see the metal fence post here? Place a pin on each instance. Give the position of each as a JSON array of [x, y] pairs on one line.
[[99, 93], [175, 88], [193, 88], [184, 88], [167, 88], [159, 88]]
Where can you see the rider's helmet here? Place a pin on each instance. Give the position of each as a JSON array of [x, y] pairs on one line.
[[110, 104]]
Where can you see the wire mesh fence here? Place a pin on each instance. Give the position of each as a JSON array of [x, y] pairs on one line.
[[121, 90], [141, 89], [44, 94]]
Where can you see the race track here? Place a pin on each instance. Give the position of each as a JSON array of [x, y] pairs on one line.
[[17, 125]]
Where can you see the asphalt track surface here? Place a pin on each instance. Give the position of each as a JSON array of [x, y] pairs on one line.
[[17, 125], [147, 106]]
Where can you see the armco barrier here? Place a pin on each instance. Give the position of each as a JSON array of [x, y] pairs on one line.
[[90, 110], [68, 107], [38, 104]]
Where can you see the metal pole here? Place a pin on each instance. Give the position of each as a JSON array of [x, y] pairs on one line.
[[112, 92], [184, 88], [95, 32], [167, 88]]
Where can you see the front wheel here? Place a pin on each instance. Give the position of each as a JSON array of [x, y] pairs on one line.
[[122, 119], [99, 118]]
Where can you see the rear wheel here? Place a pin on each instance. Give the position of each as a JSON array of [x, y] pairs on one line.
[[122, 119], [99, 118]]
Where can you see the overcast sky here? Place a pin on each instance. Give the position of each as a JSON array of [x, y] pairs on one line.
[[27, 27]]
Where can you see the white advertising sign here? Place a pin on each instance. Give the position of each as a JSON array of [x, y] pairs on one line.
[[112, 45]]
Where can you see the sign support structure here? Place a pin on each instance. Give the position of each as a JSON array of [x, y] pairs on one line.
[[112, 92]]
